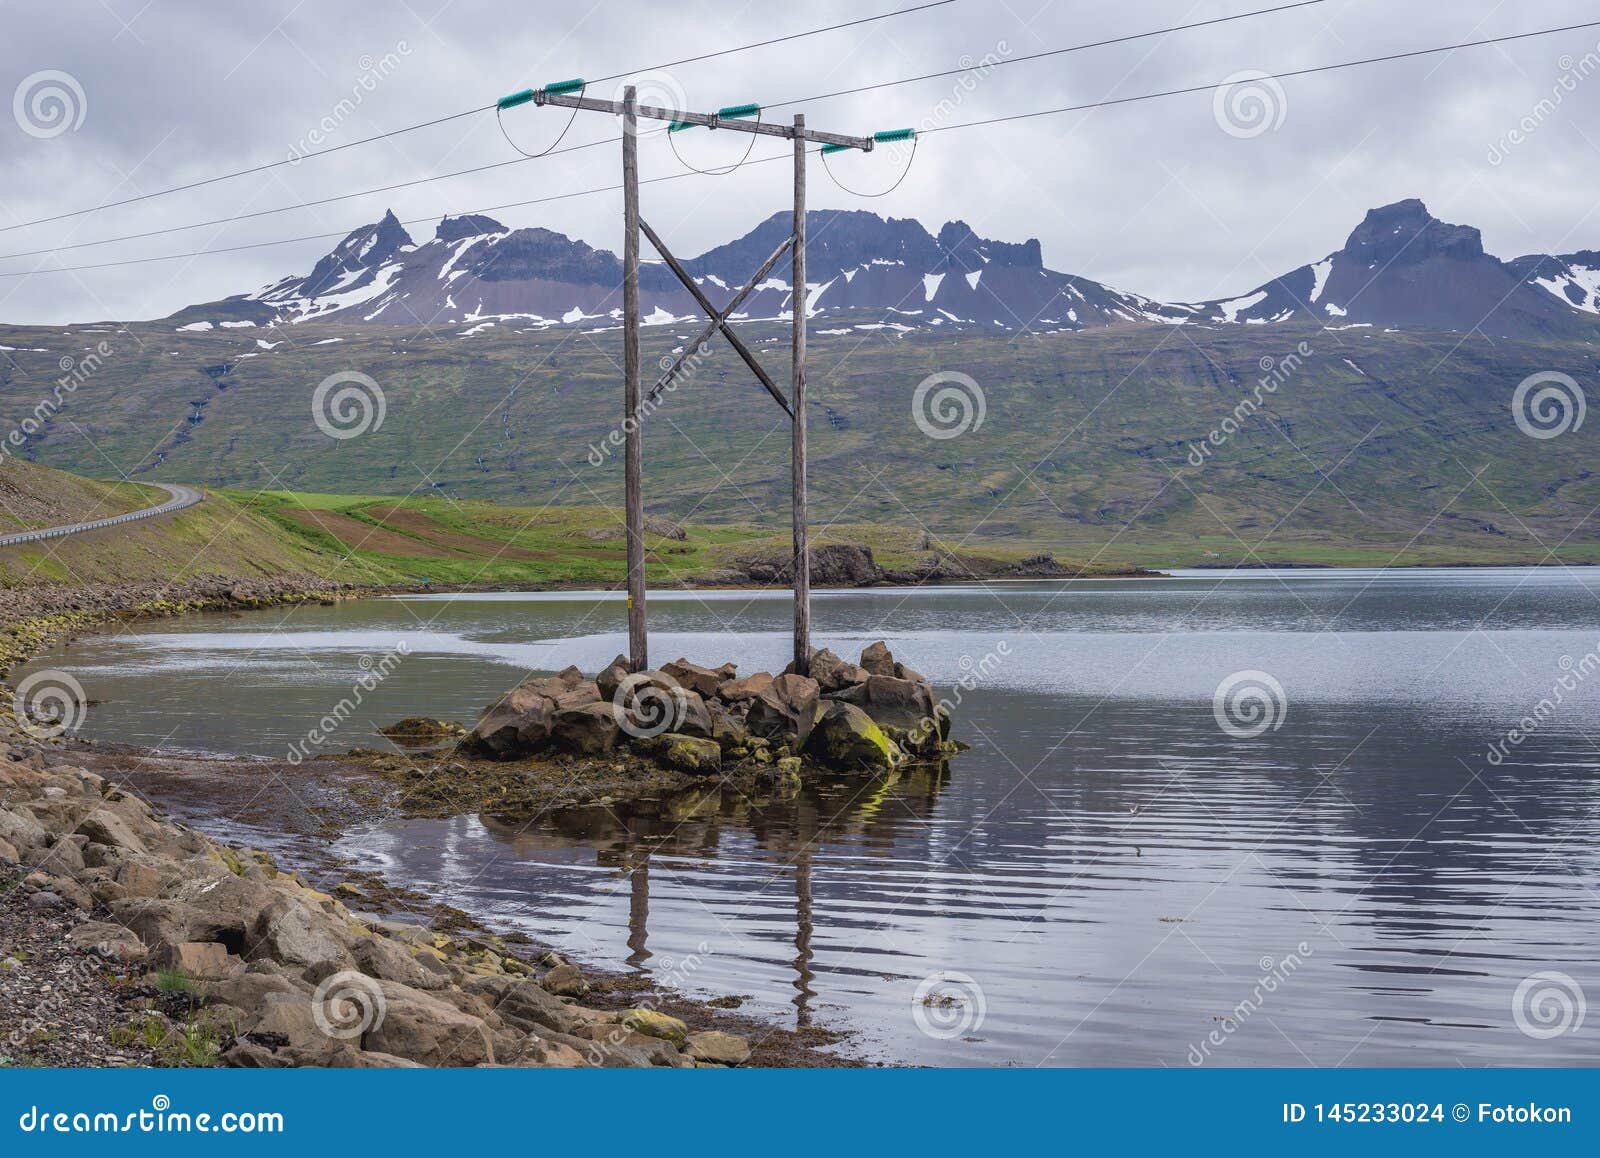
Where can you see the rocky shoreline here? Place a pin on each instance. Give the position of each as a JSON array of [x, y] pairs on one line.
[[127, 938], [34, 617]]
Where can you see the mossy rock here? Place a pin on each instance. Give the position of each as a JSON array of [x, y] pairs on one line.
[[656, 1024], [691, 754], [848, 739]]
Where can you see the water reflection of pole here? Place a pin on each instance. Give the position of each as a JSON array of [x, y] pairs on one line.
[[639, 908], [802, 939], [805, 832]]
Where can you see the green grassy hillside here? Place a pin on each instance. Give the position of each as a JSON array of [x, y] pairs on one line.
[[1370, 447]]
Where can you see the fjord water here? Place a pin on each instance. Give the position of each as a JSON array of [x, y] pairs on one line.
[[1108, 876]]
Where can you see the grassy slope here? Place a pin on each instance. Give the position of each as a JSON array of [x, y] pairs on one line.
[[371, 539], [217, 537], [1381, 447], [32, 497]]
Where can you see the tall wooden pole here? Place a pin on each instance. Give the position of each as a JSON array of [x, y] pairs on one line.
[[802, 565], [633, 419]]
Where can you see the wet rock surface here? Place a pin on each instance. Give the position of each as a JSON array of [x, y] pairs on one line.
[[844, 717]]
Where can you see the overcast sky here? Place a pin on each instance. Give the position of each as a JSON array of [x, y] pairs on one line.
[[1156, 197]]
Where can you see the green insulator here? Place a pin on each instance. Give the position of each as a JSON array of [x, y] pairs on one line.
[[832, 148], [564, 86], [734, 112], [515, 99], [894, 135]]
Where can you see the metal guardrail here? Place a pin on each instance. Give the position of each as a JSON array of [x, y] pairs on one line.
[[182, 497]]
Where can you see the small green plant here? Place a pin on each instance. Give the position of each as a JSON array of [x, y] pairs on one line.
[[195, 1045], [170, 980], [150, 1032]]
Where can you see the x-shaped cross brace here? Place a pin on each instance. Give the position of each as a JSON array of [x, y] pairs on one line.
[[719, 318]]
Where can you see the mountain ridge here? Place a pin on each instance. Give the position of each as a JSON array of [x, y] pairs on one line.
[[1400, 267]]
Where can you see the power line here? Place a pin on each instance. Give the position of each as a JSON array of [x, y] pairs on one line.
[[268, 165], [1107, 103], [609, 140], [346, 232], [1051, 52], [779, 39], [1150, 96]]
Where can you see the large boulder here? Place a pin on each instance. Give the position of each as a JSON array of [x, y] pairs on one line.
[[877, 659], [727, 725], [905, 709], [654, 702], [848, 739], [422, 1027], [834, 674], [590, 730], [103, 826], [526, 1004], [290, 931], [713, 1045], [522, 722], [703, 681], [112, 942], [785, 711], [692, 754], [22, 832], [611, 678], [736, 691]]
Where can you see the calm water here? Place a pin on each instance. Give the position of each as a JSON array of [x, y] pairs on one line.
[[1109, 876]]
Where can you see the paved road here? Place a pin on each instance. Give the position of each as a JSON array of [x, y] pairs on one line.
[[182, 497]]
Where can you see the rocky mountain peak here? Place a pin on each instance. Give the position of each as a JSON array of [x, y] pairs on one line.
[[1405, 233], [968, 252], [467, 225]]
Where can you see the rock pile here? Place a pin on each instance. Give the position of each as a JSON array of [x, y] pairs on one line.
[[865, 716], [276, 973]]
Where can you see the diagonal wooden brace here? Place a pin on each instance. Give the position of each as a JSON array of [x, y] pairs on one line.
[[721, 322], [717, 319]]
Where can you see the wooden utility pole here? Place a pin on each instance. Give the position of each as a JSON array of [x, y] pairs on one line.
[[797, 402], [570, 94], [633, 417]]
